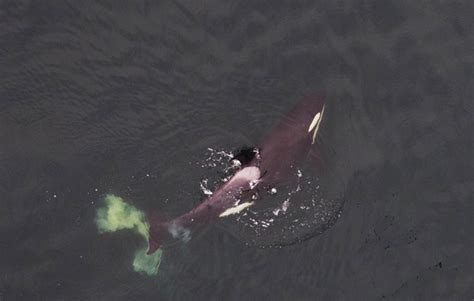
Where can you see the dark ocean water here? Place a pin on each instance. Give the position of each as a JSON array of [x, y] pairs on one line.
[[125, 97]]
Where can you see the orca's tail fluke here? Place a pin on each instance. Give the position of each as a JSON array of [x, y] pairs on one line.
[[115, 215], [159, 233]]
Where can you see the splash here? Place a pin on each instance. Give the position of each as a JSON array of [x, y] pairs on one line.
[[118, 215]]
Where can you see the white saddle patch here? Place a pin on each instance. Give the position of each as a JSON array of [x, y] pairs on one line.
[[249, 174]]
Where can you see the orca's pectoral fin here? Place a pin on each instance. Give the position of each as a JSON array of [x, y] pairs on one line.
[[315, 123], [236, 209]]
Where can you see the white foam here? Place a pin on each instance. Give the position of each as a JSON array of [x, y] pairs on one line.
[[179, 232], [204, 188]]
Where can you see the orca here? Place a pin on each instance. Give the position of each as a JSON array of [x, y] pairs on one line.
[[269, 165]]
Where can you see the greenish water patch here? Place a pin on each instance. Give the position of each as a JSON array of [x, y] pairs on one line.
[[119, 215]]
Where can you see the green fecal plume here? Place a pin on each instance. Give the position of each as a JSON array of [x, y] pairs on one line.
[[147, 264], [118, 215]]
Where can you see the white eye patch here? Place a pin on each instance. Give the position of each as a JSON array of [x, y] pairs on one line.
[[315, 124]]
